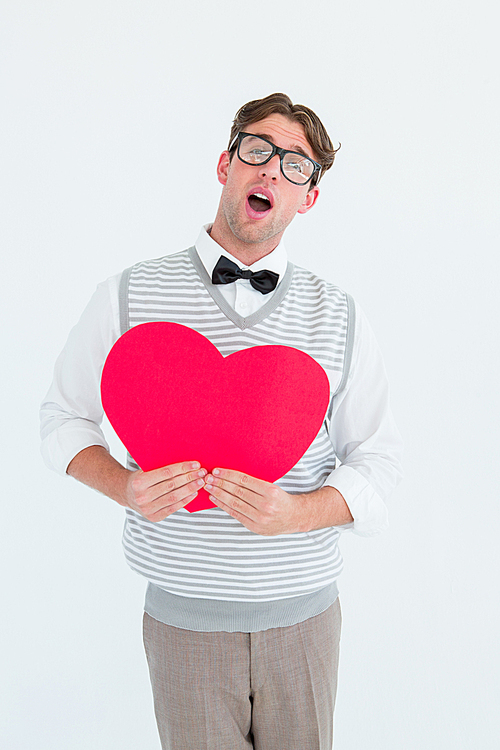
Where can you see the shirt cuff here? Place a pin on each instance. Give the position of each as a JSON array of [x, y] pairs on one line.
[[367, 507], [61, 446]]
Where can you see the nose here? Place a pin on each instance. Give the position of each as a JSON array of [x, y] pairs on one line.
[[272, 169]]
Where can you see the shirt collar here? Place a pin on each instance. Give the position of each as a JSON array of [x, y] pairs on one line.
[[210, 251]]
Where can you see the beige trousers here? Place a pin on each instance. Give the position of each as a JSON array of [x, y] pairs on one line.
[[271, 690]]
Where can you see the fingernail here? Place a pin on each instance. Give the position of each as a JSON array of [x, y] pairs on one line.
[[195, 465], [216, 471], [202, 473], [200, 482]]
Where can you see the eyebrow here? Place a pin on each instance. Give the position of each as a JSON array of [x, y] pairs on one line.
[[296, 149]]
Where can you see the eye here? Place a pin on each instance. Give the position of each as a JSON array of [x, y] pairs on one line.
[[259, 153], [296, 166]]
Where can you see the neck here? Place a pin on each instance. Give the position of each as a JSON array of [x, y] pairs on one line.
[[246, 252]]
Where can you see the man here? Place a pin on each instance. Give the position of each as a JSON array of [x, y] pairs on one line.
[[242, 618]]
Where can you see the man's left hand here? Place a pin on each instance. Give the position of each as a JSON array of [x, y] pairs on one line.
[[261, 506]]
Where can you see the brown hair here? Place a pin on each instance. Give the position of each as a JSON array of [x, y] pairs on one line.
[[281, 104]]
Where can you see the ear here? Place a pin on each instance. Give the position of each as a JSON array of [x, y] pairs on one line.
[[223, 167], [309, 200]]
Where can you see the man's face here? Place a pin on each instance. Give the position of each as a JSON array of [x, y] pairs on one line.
[[253, 220]]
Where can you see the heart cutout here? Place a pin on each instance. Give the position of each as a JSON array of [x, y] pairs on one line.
[[171, 396]]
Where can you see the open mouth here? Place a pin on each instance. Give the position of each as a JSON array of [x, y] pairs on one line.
[[258, 202]]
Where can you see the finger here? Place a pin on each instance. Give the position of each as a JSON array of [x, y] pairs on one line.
[[155, 476], [236, 497], [237, 490], [150, 492], [163, 513], [176, 495], [227, 502], [194, 478], [259, 486]]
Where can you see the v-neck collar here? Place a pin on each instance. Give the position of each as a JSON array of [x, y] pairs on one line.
[[225, 307]]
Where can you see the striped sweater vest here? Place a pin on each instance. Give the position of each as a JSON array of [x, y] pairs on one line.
[[209, 555]]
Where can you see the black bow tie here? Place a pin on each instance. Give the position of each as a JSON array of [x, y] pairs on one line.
[[225, 272]]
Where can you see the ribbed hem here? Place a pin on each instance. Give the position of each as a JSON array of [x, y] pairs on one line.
[[209, 615]]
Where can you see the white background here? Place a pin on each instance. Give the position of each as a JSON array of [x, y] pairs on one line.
[[113, 117]]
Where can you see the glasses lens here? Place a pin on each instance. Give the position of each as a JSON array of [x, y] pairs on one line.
[[297, 168], [253, 150]]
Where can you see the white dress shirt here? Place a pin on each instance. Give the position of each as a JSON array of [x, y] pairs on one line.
[[363, 432], [240, 294]]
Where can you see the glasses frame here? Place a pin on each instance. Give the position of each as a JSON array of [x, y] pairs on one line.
[[274, 150]]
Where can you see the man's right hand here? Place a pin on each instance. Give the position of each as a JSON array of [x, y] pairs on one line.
[[154, 494], [158, 493]]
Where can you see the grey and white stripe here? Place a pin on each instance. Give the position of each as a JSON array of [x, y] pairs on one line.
[[210, 555]]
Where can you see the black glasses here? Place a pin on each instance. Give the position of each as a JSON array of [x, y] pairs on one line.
[[255, 150]]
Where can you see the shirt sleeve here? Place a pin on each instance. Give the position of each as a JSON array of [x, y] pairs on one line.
[[71, 413], [365, 437]]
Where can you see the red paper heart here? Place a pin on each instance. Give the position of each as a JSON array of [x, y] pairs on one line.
[[171, 396]]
